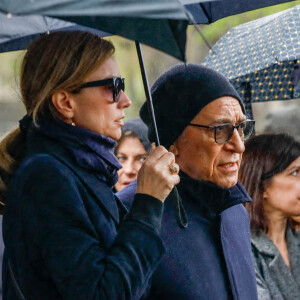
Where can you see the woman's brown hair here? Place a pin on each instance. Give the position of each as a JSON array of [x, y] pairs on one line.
[[265, 156], [54, 62]]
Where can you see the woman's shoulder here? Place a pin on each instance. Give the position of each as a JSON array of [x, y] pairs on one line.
[[41, 162], [43, 179], [41, 168]]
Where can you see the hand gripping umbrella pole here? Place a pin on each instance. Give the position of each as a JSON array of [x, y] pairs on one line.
[[181, 217]]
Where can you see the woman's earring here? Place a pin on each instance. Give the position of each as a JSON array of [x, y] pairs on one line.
[[72, 123]]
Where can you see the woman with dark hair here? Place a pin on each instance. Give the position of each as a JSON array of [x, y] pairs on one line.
[[132, 150], [66, 235], [270, 172]]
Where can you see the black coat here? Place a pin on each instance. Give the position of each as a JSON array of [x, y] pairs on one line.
[[211, 258], [63, 234]]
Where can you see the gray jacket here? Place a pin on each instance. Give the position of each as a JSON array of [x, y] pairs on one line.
[[275, 281]]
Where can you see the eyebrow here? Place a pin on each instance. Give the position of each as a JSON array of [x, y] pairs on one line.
[[121, 153], [144, 154], [138, 155], [226, 120]]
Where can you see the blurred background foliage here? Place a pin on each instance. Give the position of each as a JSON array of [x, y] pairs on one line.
[[156, 62]]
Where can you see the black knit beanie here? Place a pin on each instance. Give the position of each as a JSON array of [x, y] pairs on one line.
[[178, 96]]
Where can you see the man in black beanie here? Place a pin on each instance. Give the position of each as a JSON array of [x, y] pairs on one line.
[[201, 119]]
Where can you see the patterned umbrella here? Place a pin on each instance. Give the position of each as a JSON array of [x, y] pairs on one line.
[[261, 58]]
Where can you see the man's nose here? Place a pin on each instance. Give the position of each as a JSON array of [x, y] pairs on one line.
[[235, 143]]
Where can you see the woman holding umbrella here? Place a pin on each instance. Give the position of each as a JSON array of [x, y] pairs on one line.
[[270, 172], [66, 235]]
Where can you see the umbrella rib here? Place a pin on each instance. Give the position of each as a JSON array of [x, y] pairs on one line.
[[205, 12], [198, 29], [208, 44]]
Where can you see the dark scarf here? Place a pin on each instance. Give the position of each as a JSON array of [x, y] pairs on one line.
[[214, 198], [89, 150]]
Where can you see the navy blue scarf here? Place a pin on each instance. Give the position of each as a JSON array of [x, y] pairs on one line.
[[89, 150], [215, 198]]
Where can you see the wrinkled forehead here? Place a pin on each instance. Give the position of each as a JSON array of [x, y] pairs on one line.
[[222, 110]]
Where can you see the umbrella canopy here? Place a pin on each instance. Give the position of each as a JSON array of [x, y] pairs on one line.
[[261, 58], [18, 31], [206, 13], [158, 23]]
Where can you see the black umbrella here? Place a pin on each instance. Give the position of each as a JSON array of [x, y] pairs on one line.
[[16, 32], [158, 23], [206, 13], [261, 58]]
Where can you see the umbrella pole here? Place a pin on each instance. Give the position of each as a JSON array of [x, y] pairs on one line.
[[182, 220], [147, 91]]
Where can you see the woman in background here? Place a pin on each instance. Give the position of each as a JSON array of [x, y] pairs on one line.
[[66, 235], [270, 172], [132, 150]]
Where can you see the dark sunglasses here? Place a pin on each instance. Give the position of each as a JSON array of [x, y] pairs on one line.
[[115, 83], [224, 132]]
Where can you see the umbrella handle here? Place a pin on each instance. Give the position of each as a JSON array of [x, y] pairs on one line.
[[181, 217]]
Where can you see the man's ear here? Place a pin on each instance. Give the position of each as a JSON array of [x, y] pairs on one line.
[[173, 149], [64, 104]]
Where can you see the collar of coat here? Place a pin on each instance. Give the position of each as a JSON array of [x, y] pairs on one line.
[[273, 268], [264, 244], [91, 151], [213, 197]]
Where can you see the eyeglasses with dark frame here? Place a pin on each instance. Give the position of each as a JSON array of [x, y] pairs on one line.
[[115, 83], [224, 132]]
